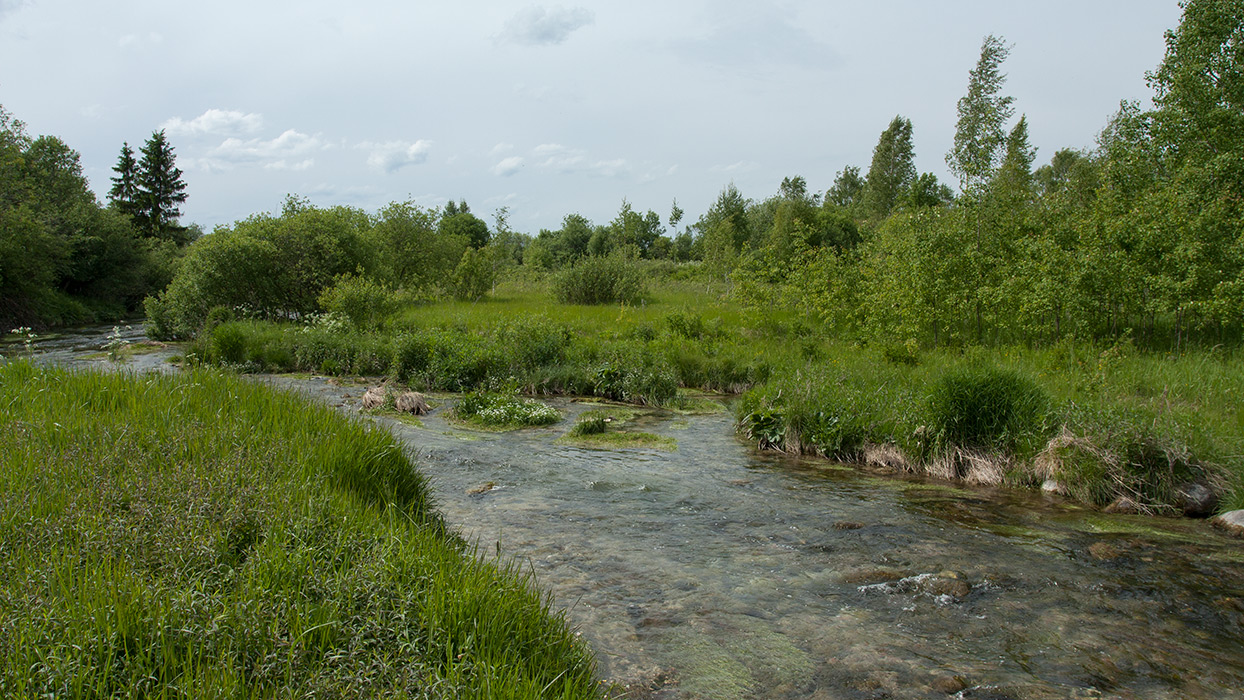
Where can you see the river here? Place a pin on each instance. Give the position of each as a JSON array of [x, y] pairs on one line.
[[714, 571]]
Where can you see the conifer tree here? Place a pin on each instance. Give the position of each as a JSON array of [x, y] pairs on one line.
[[124, 193], [160, 189]]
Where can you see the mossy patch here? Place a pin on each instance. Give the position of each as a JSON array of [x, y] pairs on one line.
[[621, 439]]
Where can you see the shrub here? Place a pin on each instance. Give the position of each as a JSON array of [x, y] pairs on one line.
[[473, 277], [364, 302], [611, 279], [988, 408]]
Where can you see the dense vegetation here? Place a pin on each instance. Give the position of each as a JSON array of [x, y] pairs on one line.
[[64, 258], [978, 335], [201, 536]]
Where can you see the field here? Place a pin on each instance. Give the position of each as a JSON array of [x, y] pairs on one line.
[[1099, 423]]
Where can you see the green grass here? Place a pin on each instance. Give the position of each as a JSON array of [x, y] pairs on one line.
[[202, 536], [1146, 421], [598, 429]]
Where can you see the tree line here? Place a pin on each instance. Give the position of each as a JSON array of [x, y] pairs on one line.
[[64, 257]]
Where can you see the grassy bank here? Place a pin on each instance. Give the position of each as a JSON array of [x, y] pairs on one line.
[[1104, 422], [202, 536]]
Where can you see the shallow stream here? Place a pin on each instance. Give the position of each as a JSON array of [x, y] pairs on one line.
[[712, 571]]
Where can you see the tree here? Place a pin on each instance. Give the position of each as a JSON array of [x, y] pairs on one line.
[[161, 191], [848, 187], [676, 214], [124, 193], [979, 133], [893, 169], [1013, 183], [464, 223]]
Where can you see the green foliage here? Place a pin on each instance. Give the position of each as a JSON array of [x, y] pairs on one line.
[[611, 279], [590, 423], [63, 258], [214, 538], [893, 169], [988, 408], [474, 276], [498, 410], [362, 301]]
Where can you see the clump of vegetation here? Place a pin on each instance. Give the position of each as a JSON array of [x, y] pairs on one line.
[[988, 408], [503, 410], [364, 302], [596, 428], [212, 537], [591, 422], [601, 279]]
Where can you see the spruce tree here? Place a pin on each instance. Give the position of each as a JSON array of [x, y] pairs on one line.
[[124, 193], [160, 189]]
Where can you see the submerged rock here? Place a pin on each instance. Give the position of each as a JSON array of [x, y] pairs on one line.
[[1123, 506], [1196, 500], [412, 402], [1054, 487], [1232, 522]]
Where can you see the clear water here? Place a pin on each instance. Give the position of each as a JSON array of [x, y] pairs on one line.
[[715, 572]]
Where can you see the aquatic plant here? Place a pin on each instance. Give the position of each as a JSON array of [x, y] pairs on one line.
[[503, 410]]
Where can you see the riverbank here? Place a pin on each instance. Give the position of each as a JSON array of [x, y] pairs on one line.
[[206, 536], [1109, 426]]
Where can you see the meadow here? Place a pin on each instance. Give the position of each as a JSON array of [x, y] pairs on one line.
[[201, 535], [1096, 422]]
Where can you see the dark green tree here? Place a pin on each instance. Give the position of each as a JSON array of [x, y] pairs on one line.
[[161, 191], [123, 196]]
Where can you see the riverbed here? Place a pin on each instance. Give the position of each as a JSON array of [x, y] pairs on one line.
[[714, 571]]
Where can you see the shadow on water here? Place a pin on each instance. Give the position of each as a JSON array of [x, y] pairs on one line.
[[711, 571]]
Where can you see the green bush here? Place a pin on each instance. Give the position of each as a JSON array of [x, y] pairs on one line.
[[611, 279], [988, 408], [363, 301]]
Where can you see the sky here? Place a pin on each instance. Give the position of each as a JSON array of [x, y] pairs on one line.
[[548, 109]]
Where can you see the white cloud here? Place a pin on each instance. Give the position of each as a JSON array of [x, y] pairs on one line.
[[289, 151], [392, 156], [561, 159], [216, 121], [508, 167], [501, 148], [538, 26]]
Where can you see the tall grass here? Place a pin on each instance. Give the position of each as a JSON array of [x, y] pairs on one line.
[[201, 536], [1142, 414]]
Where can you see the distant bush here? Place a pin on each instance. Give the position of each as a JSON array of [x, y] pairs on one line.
[[612, 279], [473, 277], [363, 301], [988, 408]]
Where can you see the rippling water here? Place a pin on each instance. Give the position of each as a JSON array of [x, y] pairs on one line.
[[712, 571]]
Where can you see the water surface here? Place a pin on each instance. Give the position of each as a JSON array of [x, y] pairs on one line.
[[712, 571]]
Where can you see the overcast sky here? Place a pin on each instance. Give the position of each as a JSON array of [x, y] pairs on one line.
[[547, 109]]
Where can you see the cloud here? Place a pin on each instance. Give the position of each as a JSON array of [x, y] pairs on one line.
[[538, 26], [392, 156], [564, 160], [289, 151], [216, 121], [508, 167], [500, 148]]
